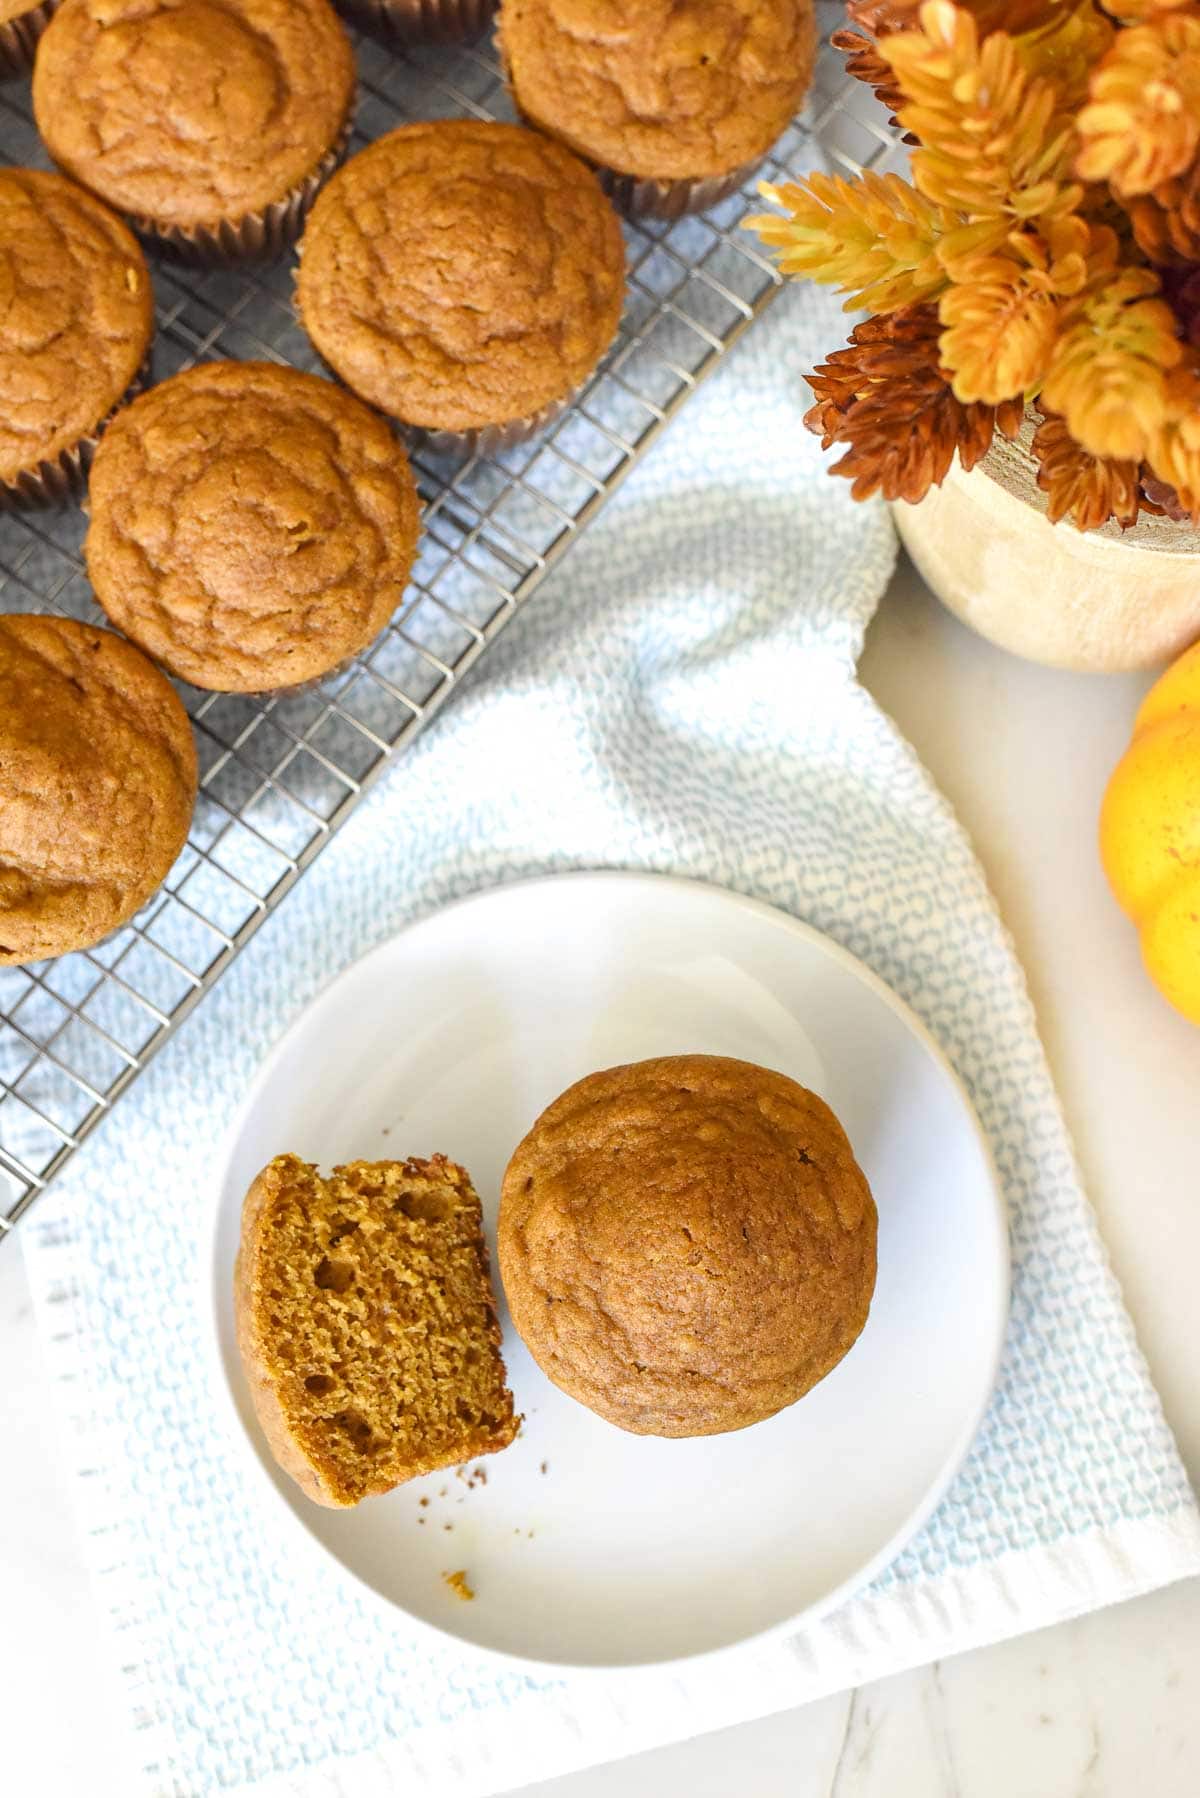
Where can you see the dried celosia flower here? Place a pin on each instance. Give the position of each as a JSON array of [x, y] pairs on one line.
[[874, 239], [999, 333], [1166, 223], [992, 141], [885, 18], [1056, 253], [1054, 151], [881, 17], [1143, 124], [1004, 312], [1087, 489], [887, 398], [1108, 367], [865, 64], [1181, 291], [1174, 453], [1014, 16], [1066, 48], [1136, 12], [1160, 499]]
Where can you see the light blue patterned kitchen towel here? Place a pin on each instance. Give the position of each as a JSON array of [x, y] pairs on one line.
[[681, 696]]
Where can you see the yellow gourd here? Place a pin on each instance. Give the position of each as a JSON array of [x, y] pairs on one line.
[[1150, 833]]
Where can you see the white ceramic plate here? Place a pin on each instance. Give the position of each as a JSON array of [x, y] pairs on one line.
[[587, 1546]]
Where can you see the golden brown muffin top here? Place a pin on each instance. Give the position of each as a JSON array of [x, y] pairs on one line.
[[188, 112], [687, 1245], [660, 89], [76, 316], [461, 274], [98, 773], [251, 526]]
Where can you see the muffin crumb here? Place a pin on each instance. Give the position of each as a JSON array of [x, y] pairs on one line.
[[459, 1584]]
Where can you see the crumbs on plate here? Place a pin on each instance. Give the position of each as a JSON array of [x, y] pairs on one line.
[[459, 1584]]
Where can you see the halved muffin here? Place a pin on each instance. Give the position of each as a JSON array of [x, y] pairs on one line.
[[367, 1323]]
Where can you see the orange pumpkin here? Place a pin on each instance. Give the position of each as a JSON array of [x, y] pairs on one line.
[[1150, 833]]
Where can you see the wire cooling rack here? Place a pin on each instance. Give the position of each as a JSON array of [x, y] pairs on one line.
[[279, 776]]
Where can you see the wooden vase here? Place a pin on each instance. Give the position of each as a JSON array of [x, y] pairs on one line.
[[1102, 600]]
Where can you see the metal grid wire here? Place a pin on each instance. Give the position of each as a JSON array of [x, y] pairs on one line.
[[279, 776]]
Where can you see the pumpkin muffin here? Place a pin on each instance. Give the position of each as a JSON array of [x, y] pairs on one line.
[[687, 1245], [676, 101], [22, 23], [76, 318], [98, 771], [252, 527], [464, 277], [367, 1324], [209, 123]]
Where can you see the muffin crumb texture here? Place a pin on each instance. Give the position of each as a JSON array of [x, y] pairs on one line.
[[687, 1244], [367, 1324], [251, 527], [192, 112], [98, 781], [661, 89], [460, 274], [459, 1584], [76, 316]]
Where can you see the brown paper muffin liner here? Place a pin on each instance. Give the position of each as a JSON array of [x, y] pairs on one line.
[[18, 39], [318, 680], [259, 236], [637, 197], [488, 440], [421, 21], [64, 479]]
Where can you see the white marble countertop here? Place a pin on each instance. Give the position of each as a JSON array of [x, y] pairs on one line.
[[1104, 1707]]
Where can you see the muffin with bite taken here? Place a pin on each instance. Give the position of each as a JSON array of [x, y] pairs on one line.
[[367, 1323]]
